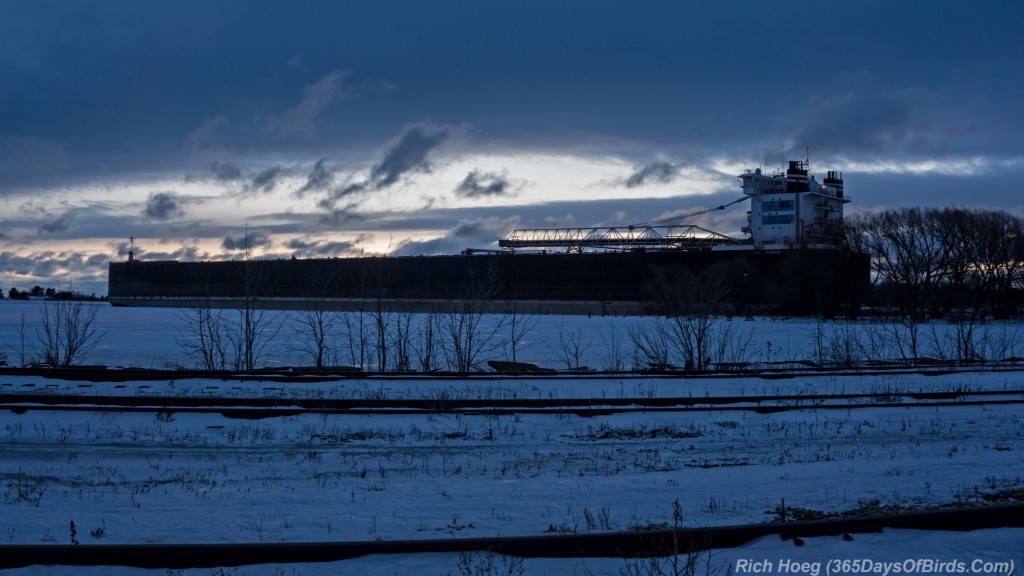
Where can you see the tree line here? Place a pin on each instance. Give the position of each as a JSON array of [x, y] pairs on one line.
[[952, 263], [38, 292]]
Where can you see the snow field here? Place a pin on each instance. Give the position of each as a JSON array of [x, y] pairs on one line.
[[186, 477], [203, 477]]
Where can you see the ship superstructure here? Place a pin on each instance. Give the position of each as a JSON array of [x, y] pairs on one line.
[[792, 209]]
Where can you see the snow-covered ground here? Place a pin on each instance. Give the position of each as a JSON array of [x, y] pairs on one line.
[[185, 477]]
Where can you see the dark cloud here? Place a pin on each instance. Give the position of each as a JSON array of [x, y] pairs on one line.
[[318, 248], [17, 263], [339, 217], [56, 225], [479, 233], [266, 180], [163, 206], [302, 118], [224, 172], [661, 172], [508, 79], [87, 272], [320, 178], [206, 136], [409, 153], [868, 124], [181, 253], [479, 184], [564, 213], [248, 241], [329, 202], [29, 158], [241, 181]]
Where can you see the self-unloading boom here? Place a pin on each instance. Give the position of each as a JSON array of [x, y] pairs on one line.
[[787, 210]]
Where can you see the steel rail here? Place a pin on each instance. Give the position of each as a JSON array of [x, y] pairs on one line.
[[635, 544], [269, 407], [780, 370]]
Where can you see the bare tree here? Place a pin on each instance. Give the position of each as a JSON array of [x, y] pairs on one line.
[[66, 332], [375, 277], [693, 304], [960, 232], [833, 345], [572, 346], [907, 250], [252, 331], [317, 326], [957, 231], [255, 326], [23, 341], [651, 345], [614, 357], [214, 339], [519, 326], [401, 341], [204, 335], [428, 345], [955, 263], [316, 333], [1000, 261], [355, 334], [466, 332], [380, 319]]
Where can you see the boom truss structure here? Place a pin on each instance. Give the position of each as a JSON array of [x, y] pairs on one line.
[[622, 238], [654, 235]]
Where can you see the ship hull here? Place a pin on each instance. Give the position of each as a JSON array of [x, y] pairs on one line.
[[797, 282]]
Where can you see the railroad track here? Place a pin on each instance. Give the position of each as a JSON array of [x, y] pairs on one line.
[[635, 544], [774, 370], [268, 407]]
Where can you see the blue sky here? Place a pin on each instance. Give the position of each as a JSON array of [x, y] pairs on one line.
[[334, 128]]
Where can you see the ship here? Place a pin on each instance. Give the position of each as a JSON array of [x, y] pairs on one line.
[[794, 261]]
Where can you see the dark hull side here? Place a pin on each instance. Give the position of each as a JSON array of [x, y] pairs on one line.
[[813, 282]]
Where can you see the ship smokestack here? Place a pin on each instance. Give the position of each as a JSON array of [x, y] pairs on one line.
[[835, 180]]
